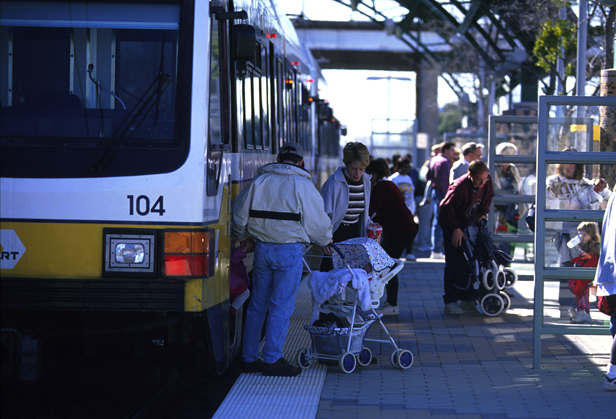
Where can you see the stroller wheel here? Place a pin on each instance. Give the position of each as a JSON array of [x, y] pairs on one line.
[[347, 362], [303, 358], [501, 280], [506, 300], [511, 277], [405, 359], [488, 279], [394, 358], [365, 357], [492, 304]]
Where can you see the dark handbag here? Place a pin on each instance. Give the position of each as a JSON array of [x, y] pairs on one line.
[[607, 304], [530, 218]]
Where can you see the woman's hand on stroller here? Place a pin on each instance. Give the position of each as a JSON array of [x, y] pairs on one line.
[[457, 237], [327, 250]]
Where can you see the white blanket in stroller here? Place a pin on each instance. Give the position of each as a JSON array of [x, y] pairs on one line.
[[323, 285]]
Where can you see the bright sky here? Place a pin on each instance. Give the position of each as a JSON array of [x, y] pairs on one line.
[[357, 101]]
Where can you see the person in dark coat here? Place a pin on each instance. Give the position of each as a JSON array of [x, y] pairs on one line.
[[387, 207]]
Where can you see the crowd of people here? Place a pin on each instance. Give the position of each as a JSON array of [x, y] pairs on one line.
[[425, 210]]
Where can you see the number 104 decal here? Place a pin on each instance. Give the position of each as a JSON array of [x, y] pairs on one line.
[[142, 205]]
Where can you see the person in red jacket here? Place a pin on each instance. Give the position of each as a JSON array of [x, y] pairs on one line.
[[387, 207], [467, 201], [590, 248]]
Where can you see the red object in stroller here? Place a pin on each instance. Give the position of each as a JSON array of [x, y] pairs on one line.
[[345, 344]]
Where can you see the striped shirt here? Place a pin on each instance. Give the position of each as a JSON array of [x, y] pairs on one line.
[[356, 202]]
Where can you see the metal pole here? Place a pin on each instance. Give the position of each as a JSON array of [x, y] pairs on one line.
[[581, 49]]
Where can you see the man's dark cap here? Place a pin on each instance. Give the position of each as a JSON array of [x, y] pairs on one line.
[[291, 148]]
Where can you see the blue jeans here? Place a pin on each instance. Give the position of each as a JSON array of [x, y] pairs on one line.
[[423, 241], [276, 275], [437, 232]]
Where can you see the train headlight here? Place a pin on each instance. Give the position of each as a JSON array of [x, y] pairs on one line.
[[129, 252]]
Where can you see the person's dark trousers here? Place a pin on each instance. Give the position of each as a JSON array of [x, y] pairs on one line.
[[457, 271], [393, 248]]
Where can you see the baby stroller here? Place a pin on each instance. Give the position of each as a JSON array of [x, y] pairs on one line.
[[489, 275], [346, 299]]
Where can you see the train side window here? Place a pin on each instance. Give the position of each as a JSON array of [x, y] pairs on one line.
[[281, 123], [248, 118], [215, 105], [265, 99], [258, 110], [219, 102]]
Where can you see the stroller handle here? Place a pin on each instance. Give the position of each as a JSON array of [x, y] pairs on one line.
[[337, 249]]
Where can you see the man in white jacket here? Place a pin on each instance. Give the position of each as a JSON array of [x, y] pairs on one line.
[[283, 211]]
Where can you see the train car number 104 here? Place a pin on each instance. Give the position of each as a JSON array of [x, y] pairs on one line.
[[141, 205]]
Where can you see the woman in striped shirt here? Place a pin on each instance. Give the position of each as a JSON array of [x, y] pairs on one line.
[[346, 195]]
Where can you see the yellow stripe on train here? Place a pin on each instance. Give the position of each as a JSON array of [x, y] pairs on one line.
[[50, 250]]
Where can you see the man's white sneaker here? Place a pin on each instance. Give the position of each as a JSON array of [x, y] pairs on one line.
[[609, 383], [453, 308], [411, 257], [437, 255], [582, 317]]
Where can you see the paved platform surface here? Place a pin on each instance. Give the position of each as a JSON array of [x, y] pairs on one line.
[[467, 366]]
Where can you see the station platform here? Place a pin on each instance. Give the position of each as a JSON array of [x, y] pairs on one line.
[[466, 366]]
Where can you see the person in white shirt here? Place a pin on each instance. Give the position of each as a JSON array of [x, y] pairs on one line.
[[405, 183], [470, 152]]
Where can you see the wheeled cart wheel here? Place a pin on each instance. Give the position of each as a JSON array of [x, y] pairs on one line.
[[365, 357], [511, 277], [506, 300], [501, 280], [304, 359], [488, 279], [405, 359], [347, 362], [492, 304], [394, 358]]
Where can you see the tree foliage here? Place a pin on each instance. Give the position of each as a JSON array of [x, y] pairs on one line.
[[556, 39]]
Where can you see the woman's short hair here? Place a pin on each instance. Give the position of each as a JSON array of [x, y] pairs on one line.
[[356, 152], [378, 168]]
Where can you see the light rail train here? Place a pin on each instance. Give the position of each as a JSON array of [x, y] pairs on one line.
[[126, 130]]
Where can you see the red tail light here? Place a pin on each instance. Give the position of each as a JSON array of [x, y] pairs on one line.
[[188, 253]]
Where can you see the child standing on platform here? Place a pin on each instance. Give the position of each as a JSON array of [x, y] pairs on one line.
[[591, 248]]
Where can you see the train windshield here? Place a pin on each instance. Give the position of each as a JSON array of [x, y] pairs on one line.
[[90, 89]]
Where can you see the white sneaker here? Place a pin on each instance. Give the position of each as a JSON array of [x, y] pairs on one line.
[[572, 312], [411, 257], [437, 255], [609, 383], [581, 317], [387, 309], [453, 308]]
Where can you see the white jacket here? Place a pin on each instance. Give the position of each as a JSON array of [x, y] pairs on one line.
[[335, 192], [281, 205]]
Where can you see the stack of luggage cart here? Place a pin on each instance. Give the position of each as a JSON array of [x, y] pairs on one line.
[[489, 276]]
